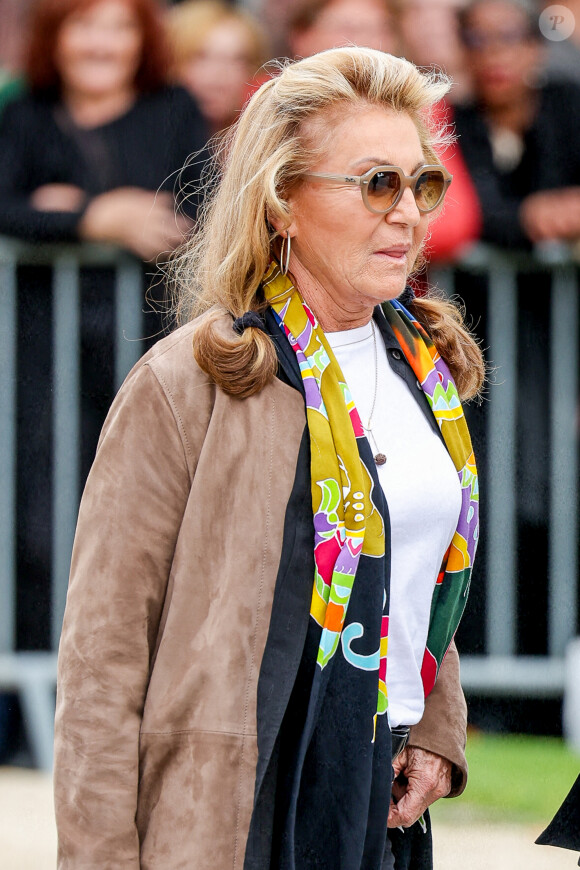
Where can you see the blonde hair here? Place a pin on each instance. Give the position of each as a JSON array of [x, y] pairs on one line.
[[190, 23], [259, 162]]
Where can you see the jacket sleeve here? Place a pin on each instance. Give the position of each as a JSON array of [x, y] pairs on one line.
[[444, 724], [128, 524]]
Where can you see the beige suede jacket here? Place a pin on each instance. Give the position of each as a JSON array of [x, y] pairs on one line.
[[175, 560]]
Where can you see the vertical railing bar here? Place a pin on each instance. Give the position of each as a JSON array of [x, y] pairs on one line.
[[129, 300], [563, 540], [500, 535], [66, 428], [8, 327]]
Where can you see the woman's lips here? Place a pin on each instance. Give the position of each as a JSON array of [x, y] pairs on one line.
[[397, 254]]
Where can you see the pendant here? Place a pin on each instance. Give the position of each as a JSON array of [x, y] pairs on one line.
[[380, 458]]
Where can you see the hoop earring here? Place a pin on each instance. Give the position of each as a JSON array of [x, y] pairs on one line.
[[288, 240]]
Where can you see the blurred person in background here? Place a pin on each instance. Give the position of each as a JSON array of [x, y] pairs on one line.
[[429, 34], [89, 153], [316, 25], [520, 138], [217, 50]]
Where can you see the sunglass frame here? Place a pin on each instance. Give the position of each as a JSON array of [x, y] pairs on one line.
[[405, 181]]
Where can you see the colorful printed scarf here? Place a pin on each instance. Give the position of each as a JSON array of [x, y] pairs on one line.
[[347, 522]]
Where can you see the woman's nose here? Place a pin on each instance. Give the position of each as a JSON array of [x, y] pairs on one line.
[[406, 210]]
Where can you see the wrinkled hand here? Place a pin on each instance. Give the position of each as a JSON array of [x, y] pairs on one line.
[[142, 221], [421, 778], [552, 214], [57, 197]]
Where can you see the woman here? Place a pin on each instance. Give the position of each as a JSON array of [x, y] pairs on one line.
[[430, 36], [218, 50], [520, 140], [520, 135], [90, 152], [315, 25], [204, 717]]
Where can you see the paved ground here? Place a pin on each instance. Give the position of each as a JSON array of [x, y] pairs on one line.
[[27, 835], [505, 847], [28, 840]]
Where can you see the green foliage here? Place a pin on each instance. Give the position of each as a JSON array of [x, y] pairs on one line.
[[512, 779]]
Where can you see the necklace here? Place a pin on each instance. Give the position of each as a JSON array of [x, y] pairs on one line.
[[379, 457], [348, 343]]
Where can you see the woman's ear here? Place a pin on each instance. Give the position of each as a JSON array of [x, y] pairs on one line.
[[280, 224]]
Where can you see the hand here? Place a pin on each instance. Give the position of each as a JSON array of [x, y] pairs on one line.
[[142, 221], [552, 214], [421, 778], [58, 197]]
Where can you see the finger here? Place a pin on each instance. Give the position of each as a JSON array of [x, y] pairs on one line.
[[392, 820], [398, 766], [398, 789], [400, 762], [406, 812]]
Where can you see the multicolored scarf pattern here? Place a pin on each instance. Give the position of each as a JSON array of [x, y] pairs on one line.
[[347, 522], [452, 585]]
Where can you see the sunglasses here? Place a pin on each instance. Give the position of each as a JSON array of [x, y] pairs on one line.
[[383, 186]]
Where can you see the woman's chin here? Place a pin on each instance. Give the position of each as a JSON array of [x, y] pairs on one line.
[[391, 286], [100, 86]]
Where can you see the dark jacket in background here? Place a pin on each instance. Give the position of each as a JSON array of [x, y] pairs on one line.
[[40, 144], [551, 159]]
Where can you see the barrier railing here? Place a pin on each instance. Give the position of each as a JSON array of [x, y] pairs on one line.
[[33, 674], [500, 670]]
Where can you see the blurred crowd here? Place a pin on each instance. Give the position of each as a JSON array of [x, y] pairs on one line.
[[79, 68], [103, 102]]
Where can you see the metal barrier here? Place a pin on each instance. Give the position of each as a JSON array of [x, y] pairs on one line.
[[500, 671], [33, 674]]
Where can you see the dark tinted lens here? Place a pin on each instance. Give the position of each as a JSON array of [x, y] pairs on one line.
[[383, 188], [429, 189]]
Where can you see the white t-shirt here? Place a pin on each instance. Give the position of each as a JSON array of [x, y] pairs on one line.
[[423, 494]]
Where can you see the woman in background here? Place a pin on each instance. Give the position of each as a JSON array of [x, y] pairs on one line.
[[218, 50], [85, 154], [89, 153], [519, 135]]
